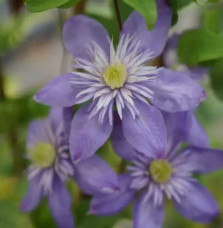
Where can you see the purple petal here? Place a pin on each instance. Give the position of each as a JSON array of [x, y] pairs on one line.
[[80, 32], [60, 205], [119, 142], [37, 133], [94, 176], [146, 133], [87, 135], [175, 91], [198, 204], [33, 195], [197, 136], [198, 73], [146, 214], [61, 117], [109, 204], [203, 160], [169, 55], [155, 39], [58, 92], [184, 127]]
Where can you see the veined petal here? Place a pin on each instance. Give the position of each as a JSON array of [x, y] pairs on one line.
[[147, 132], [147, 214], [33, 195], [119, 142], [203, 160], [112, 203], [175, 91], [184, 127], [80, 32], [94, 176], [198, 204], [60, 205], [58, 92], [155, 39], [87, 134]]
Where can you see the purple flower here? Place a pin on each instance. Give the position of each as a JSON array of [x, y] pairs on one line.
[[119, 77], [169, 173], [47, 146], [171, 60]]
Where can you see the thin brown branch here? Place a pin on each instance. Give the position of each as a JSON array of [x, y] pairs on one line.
[[80, 7], [118, 14]]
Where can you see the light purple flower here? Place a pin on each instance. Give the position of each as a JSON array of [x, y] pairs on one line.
[[169, 172], [48, 146], [118, 77], [171, 60]]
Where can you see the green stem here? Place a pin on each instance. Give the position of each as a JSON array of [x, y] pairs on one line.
[[11, 134]]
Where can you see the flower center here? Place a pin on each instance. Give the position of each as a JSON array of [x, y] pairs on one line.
[[160, 171], [43, 155], [115, 76]]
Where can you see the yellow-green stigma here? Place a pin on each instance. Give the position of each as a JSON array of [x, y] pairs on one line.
[[160, 171], [43, 155], [115, 76]]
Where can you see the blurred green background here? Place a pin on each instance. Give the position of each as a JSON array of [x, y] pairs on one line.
[[31, 53]]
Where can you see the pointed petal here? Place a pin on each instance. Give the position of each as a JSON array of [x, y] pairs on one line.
[[80, 32], [61, 117], [33, 195], [175, 91], [94, 176], [197, 136], [146, 214], [119, 142], [155, 39], [203, 160], [87, 135], [198, 73], [169, 55], [37, 133], [146, 133], [184, 127], [58, 92], [60, 205], [109, 204], [198, 204]]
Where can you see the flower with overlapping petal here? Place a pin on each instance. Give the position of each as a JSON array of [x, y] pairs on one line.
[[169, 172], [119, 80], [51, 167]]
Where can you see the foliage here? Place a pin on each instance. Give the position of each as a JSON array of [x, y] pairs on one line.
[[146, 8], [42, 5]]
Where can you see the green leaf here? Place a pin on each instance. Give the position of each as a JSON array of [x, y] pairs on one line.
[[69, 4], [211, 20], [174, 6], [182, 3], [196, 46], [202, 2], [42, 5], [146, 8], [217, 79]]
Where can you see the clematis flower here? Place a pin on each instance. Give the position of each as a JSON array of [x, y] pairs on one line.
[[171, 60], [51, 166], [119, 79], [169, 172]]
